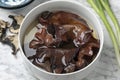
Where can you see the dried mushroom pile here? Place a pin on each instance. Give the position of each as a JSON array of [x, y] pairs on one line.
[[9, 32]]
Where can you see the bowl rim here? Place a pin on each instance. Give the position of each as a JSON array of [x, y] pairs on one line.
[[67, 1]]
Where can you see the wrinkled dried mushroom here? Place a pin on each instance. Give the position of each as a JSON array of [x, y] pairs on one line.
[[8, 42], [11, 40], [3, 28], [14, 28], [4, 24]]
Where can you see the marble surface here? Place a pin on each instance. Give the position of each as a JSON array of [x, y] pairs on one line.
[[12, 68]]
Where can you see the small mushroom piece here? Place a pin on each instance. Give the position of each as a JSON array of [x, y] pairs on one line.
[[46, 65], [51, 30], [70, 68], [80, 60], [8, 42], [70, 55], [49, 39], [35, 44], [44, 37], [43, 19], [43, 54], [3, 29], [0, 36], [14, 22], [58, 70], [82, 37], [60, 33], [14, 28], [41, 34], [3, 33], [19, 19], [3, 24], [45, 14], [86, 51], [14, 41], [80, 63]]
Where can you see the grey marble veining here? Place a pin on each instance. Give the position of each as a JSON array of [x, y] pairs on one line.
[[12, 68]]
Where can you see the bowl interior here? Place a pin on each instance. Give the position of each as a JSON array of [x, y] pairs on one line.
[[69, 6]]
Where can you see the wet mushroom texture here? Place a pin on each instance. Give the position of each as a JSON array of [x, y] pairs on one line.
[[9, 32], [64, 43]]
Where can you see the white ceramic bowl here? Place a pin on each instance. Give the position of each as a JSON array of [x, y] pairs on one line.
[[70, 6]]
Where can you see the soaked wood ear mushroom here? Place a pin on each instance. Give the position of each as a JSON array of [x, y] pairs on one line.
[[65, 44], [44, 16], [70, 68]]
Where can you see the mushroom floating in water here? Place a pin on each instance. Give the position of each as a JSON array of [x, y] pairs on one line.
[[65, 44]]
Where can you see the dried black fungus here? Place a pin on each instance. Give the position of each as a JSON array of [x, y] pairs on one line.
[[14, 23], [8, 42], [3, 24], [14, 28], [11, 40], [3, 29], [3, 33]]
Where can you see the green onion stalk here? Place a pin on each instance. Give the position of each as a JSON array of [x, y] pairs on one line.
[[109, 11], [99, 6]]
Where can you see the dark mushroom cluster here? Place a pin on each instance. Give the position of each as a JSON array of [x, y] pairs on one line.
[[64, 43], [9, 32]]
